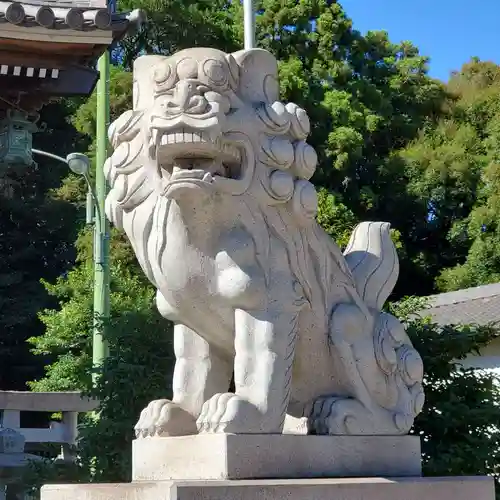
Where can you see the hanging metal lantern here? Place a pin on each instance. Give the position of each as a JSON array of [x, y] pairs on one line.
[[16, 139]]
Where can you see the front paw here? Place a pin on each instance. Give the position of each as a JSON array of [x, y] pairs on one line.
[[163, 418], [230, 414]]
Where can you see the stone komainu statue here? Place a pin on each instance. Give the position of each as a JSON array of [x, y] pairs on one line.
[[210, 181]]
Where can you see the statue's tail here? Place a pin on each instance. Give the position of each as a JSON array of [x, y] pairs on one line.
[[373, 261]]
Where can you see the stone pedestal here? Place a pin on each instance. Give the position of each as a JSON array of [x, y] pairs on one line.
[[278, 467], [276, 456], [464, 488]]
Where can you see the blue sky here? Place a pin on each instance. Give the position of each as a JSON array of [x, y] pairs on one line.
[[450, 32]]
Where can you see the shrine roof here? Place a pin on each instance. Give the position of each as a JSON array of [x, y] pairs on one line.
[[478, 305], [86, 15]]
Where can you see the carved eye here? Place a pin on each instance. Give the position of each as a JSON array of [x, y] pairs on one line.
[[162, 73], [164, 76], [187, 68], [215, 72]]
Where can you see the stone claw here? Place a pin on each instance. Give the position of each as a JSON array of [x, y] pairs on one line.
[[163, 418], [230, 414]]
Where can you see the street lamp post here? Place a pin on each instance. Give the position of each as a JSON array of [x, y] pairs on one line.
[[101, 232], [80, 164], [249, 24]]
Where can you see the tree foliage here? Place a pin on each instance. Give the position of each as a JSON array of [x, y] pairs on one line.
[[458, 426], [367, 98], [477, 87], [37, 231], [178, 24], [453, 169], [138, 371]]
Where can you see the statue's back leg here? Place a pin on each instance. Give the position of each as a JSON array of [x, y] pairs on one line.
[[384, 372]]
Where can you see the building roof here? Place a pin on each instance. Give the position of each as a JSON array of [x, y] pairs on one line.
[[478, 305], [59, 15], [48, 48]]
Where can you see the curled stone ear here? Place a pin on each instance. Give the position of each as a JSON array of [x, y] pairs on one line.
[[258, 75], [143, 80]]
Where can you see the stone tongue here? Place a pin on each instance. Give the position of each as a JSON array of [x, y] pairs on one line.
[[193, 167]]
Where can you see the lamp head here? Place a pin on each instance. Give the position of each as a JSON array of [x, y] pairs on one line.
[[78, 163]]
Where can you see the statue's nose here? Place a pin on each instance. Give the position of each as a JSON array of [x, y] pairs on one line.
[[184, 96]]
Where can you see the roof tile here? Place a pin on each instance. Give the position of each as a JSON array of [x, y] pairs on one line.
[[58, 15], [478, 305]]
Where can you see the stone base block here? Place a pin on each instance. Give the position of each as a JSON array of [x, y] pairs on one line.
[[277, 456], [464, 488]]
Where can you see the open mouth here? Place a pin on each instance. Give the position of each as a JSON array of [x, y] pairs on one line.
[[195, 158]]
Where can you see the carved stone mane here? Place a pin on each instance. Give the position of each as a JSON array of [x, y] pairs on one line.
[[210, 181]]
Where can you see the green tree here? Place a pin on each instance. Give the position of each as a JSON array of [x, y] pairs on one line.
[[443, 169], [458, 425], [477, 87], [178, 24], [366, 96], [452, 170], [367, 99], [37, 231], [138, 370], [334, 217]]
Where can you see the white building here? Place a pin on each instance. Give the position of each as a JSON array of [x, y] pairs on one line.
[[478, 305]]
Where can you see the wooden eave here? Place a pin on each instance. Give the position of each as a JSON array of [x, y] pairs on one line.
[[68, 82], [38, 34], [51, 54]]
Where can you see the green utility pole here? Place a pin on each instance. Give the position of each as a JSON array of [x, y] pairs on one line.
[[101, 226]]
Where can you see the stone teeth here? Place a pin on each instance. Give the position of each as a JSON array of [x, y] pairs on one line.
[[184, 137], [208, 177]]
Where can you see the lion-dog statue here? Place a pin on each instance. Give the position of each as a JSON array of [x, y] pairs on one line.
[[210, 181]]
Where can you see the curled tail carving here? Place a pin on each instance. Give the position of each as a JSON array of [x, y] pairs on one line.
[[371, 256], [384, 370]]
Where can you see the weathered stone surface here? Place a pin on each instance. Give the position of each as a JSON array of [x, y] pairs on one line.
[[210, 181], [46, 401], [465, 488], [226, 456], [11, 441]]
